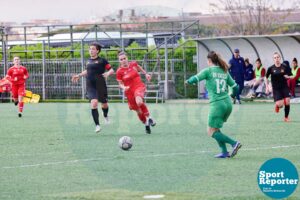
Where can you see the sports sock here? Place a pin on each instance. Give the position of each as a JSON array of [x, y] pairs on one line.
[[105, 111], [286, 111], [21, 106], [95, 115], [220, 137], [223, 147]]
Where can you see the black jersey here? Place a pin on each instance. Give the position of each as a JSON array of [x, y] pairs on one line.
[[277, 76], [96, 67]]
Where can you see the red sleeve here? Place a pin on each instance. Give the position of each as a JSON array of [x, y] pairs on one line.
[[119, 75], [263, 72], [26, 72], [107, 67], [9, 74], [135, 65]]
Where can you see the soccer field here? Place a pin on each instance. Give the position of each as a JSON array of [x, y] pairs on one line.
[[53, 152]]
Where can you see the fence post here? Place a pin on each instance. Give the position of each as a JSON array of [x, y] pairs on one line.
[[166, 90], [184, 68], [4, 57], [43, 71], [82, 67]]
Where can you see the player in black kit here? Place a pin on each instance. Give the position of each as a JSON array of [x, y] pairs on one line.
[[279, 75], [97, 70]]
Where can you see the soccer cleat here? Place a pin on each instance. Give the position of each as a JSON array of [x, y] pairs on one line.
[[98, 128], [148, 129], [236, 147], [286, 119], [223, 155], [20, 114], [276, 109], [239, 102], [106, 120], [151, 122], [16, 103]]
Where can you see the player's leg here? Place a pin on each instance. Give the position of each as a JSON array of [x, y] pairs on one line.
[[292, 85], [103, 98], [224, 153], [14, 94], [21, 94], [286, 102], [143, 110], [93, 97], [95, 114], [219, 113], [105, 109], [278, 99], [241, 87], [133, 106], [139, 99]]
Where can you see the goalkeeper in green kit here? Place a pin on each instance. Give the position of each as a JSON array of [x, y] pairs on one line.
[[217, 81]]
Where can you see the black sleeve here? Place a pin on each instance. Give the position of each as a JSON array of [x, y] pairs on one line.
[[268, 72], [105, 62]]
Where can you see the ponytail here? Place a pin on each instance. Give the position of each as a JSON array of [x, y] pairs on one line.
[[217, 60]]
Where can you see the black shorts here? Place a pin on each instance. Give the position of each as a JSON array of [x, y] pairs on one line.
[[280, 94], [97, 90]]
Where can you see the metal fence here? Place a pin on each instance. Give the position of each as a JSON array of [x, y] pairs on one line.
[[51, 68]]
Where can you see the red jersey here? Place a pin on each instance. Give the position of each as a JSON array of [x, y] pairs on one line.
[[130, 76], [17, 75]]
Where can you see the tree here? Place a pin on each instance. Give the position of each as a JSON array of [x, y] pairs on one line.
[[252, 16]]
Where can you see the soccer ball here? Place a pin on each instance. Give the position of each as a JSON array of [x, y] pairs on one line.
[[125, 143]]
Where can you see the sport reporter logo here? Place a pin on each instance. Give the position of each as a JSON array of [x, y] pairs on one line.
[[278, 178]]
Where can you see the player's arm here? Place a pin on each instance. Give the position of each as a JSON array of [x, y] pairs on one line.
[[9, 75], [199, 77], [140, 69], [267, 80], [122, 86], [26, 74], [109, 69], [231, 83], [76, 77]]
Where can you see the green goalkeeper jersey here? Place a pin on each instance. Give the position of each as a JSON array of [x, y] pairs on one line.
[[217, 82]]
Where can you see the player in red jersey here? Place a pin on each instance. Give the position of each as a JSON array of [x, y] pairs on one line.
[[130, 81], [17, 75]]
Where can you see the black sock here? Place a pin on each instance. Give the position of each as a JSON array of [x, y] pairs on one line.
[[255, 87], [286, 110], [105, 111], [95, 115]]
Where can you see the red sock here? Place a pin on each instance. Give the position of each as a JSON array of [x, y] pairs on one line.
[[142, 117], [21, 105], [144, 110]]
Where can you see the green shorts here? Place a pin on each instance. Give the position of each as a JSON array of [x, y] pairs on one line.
[[219, 113]]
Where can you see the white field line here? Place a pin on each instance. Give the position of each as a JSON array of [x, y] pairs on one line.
[[33, 154], [141, 156]]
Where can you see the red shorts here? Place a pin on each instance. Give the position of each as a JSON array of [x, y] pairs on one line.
[[18, 90], [132, 94]]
